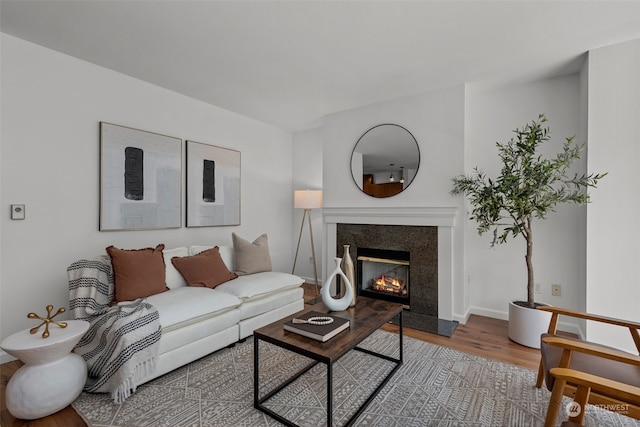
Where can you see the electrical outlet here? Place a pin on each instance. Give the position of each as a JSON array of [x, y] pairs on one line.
[[537, 287], [556, 290]]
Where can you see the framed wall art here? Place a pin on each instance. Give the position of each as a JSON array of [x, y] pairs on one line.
[[213, 185], [140, 179]]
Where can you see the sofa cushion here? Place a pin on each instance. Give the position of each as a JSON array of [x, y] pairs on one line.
[[138, 273], [193, 338], [172, 275], [204, 269], [226, 253], [260, 284], [250, 258], [187, 305], [252, 307]]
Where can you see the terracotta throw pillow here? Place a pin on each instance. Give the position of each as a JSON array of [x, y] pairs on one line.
[[249, 258], [138, 273], [205, 269]]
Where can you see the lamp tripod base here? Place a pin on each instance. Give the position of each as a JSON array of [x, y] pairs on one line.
[[307, 215]]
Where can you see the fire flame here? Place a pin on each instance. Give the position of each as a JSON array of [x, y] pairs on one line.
[[381, 281], [389, 284]]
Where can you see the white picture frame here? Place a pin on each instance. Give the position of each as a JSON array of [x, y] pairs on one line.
[[213, 185], [140, 179]]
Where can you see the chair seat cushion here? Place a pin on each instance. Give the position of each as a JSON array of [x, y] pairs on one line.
[[605, 368]]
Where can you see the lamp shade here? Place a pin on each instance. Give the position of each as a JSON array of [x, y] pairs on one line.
[[307, 199]]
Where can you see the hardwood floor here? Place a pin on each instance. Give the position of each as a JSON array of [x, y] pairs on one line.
[[481, 336]]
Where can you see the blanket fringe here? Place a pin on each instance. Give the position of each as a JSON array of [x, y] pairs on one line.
[[129, 386]]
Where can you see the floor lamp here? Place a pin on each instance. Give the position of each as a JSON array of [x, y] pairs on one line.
[[307, 200]]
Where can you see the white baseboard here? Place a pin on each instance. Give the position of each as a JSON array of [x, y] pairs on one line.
[[504, 315], [461, 318], [494, 314]]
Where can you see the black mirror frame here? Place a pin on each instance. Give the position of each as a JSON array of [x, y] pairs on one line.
[[354, 150]]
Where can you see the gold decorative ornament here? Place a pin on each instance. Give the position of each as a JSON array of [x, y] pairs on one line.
[[46, 321]]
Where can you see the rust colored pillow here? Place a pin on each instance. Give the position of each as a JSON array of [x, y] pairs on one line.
[[138, 273], [205, 269]]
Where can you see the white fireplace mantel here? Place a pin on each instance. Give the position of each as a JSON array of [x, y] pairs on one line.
[[442, 217], [423, 216]]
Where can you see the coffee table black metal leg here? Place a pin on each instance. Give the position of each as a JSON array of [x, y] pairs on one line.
[[329, 394], [256, 373], [400, 333]]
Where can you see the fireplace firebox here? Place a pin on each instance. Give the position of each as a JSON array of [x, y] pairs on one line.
[[421, 246], [383, 274]]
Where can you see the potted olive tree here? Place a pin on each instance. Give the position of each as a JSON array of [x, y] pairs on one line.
[[528, 187]]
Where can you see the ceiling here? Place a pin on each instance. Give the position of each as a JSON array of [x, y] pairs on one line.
[[289, 63]]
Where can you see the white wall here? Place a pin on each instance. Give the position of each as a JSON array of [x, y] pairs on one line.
[[613, 253], [498, 275], [307, 174], [436, 120], [457, 129], [51, 107]]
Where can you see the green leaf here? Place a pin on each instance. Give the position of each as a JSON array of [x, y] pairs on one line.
[[529, 185]]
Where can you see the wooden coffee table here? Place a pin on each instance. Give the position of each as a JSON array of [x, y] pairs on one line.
[[367, 316]]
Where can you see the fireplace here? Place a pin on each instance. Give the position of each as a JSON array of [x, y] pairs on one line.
[[414, 248], [427, 233], [383, 274], [418, 245]]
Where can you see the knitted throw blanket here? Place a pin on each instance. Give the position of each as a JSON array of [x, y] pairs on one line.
[[121, 345]]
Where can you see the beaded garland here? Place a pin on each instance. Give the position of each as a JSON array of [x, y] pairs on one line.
[[315, 320], [320, 320]]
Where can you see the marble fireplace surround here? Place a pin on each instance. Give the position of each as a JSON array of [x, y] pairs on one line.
[[441, 217]]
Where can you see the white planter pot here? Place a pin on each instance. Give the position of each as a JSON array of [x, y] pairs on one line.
[[527, 324]]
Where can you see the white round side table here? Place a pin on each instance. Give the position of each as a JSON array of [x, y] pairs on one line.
[[52, 377]]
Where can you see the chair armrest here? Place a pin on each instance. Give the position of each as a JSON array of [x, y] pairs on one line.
[[589, 316], [556, 312], [616, 389], [593, 349]]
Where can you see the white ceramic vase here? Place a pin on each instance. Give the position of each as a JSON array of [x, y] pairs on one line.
[[348, 269], [337, 304]]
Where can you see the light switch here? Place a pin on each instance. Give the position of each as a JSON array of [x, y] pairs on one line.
[[17, 211]]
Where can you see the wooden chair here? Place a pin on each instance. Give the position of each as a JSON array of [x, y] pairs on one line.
[[589, 372]]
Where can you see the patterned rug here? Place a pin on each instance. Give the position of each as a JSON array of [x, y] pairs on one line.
[[435, 386]]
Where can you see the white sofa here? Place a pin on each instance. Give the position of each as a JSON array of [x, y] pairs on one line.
[[196, 321]]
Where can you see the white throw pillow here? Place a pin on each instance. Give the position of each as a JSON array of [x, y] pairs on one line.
[[173, 277]]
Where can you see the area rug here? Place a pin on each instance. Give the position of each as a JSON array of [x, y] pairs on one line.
[[435, 386]]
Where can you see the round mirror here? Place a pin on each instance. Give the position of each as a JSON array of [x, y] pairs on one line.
[[385, 160]]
